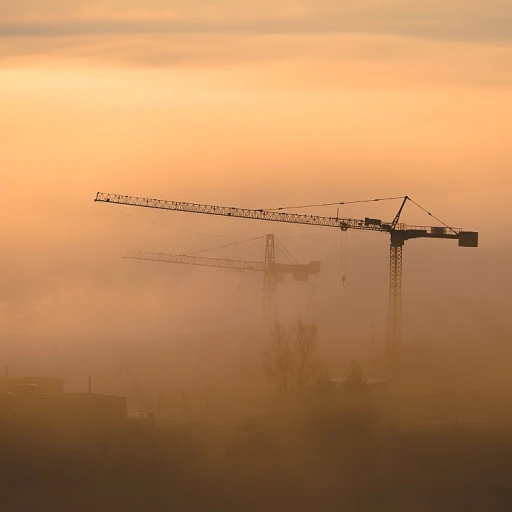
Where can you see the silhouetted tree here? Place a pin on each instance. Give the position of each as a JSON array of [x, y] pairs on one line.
[[289, 358], [303, 343], [278, 361], [353, 377]]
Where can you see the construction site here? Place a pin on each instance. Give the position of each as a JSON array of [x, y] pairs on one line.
[[273, 375], [255, 256]]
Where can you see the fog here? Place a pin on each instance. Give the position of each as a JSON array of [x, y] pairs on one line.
[[167, 386], [66, 279]]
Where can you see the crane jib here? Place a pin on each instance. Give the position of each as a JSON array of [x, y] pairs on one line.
[[299, 271], [466, 238]]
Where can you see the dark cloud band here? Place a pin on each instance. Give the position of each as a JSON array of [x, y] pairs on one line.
[[478, 29]]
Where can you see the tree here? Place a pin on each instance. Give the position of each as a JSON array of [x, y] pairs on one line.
[[278, 361], [353, 377], [289, 359], [303, 345]]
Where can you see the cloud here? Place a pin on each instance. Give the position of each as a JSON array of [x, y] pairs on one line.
[[464, 42], [274, 61], [445, 29]]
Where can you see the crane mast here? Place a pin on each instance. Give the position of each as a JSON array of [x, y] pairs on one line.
[[399, 234], [270, 281], [395, 301]]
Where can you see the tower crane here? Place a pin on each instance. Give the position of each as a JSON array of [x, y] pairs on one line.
[[399, 233], [271, 269]]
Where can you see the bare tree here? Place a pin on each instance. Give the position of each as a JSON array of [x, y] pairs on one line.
[[278, 361], [303, 346], [290, 364], [353, 377]]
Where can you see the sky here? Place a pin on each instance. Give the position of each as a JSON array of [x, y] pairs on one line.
[[256, 105]]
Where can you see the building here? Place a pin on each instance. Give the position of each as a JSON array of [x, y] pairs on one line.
[[37, 409]]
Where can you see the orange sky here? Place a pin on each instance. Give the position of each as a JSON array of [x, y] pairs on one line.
[[283, 103]]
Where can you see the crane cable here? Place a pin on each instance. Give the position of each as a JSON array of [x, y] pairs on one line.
[[171, 227], [287, 208], [432, 215], [224, 246], [332, 204], [361, 201], [285, 251], [308, 234]]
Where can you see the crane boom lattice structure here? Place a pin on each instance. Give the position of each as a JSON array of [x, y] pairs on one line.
[[399, 233], [200, 261], [291, 218]]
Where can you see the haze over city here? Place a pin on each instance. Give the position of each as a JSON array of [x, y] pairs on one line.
[[274, 105]]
